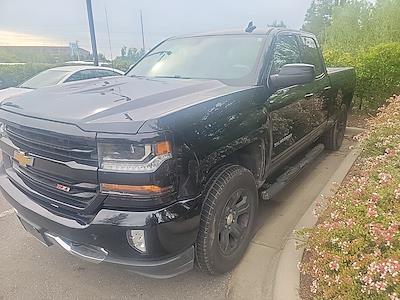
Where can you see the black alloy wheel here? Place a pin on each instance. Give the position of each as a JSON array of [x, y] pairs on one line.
[[227, 218], [235, 220]]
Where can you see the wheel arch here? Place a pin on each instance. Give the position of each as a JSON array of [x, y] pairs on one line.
[[255, 157]]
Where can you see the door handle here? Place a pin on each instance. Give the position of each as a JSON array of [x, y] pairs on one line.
[[309, 95], [327, 88]]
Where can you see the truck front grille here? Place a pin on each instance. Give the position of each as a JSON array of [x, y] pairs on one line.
[[50, 182], [53, 145], [43, 189]]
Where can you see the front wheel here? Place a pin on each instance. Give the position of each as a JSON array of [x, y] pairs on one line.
[[227, 219], [333, 138]]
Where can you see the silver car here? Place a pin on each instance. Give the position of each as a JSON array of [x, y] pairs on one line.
[[59, 75]]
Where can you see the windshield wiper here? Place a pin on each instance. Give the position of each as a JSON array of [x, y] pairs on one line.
[[137, 76], [160, 52]]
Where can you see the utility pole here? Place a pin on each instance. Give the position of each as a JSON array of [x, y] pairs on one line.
[[109, 37], [92, 33], [77, 49], [141, 24]]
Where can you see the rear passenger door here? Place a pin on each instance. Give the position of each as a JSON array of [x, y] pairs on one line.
[[319, 90], [291, 114]]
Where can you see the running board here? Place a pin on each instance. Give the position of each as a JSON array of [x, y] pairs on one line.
[[271, 190]]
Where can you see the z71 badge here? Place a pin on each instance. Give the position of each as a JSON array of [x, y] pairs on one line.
[[63, 188]]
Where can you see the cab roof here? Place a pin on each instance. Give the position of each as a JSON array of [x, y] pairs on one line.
[[258, 31]]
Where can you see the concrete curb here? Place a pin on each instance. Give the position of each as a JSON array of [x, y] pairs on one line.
[[287, 277]]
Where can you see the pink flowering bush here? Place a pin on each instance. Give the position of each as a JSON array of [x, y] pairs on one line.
[[354, 251]]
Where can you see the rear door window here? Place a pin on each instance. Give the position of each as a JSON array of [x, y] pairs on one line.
[[287, 51], [84, 74], [311, 55], [80, 75], [106, 73]]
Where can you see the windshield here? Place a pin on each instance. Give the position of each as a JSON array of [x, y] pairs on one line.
[[46, 78], [226, 57]]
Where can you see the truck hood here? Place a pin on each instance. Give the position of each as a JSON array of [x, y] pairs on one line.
[[116, 104]]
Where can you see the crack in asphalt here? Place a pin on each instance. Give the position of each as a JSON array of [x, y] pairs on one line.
[[263, 244]]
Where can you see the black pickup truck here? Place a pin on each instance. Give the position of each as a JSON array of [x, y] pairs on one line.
[[164, 167]]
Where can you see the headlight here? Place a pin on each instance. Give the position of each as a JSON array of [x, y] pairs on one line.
[[130, 157]]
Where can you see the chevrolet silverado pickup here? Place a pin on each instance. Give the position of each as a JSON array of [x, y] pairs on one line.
[[163, 168]]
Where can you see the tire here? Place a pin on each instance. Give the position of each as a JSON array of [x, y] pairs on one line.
[[333, 138], [227, 219]]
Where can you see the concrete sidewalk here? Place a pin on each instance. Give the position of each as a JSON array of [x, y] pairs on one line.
[[269, 267]]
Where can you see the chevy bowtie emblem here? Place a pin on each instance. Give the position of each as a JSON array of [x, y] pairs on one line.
[[23, 159]]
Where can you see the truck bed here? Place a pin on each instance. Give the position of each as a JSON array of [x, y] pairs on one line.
[[345, 78], [338, 69]]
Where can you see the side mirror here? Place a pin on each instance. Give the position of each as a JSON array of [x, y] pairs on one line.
[[293, 74]]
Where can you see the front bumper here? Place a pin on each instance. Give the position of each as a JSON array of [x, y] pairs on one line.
[[169, 232]]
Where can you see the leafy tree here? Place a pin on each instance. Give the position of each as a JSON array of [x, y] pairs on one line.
[[319, 16], [131, 56], [385, 24], [366, 35], [123, 51], [351, 27], [279, 24]]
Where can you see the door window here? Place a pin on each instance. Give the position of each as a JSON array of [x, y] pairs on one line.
[[80, 75], [311, 55], [287, 51], [105, 73], [91, 73]]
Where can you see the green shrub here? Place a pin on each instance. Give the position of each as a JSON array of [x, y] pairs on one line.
[[335, 58], [12, 75], [378, 72], [122, 63]]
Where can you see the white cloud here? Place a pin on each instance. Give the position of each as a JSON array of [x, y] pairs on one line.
[[11, 38]]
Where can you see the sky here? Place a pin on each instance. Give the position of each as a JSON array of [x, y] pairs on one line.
[[57, 22]]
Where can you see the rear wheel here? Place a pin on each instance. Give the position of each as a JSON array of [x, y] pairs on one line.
[[333, 138], [226, 220]]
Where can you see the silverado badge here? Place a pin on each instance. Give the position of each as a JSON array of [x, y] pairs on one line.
[[23, 159]]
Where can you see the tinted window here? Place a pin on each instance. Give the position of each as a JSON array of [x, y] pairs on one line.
[[105, 73], [81, 75], [311, 54], [286, 51], [88, 74], [205, 57], [46, 78]]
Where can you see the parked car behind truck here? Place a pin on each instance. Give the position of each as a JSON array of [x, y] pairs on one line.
[[56, 76], [164, 167]]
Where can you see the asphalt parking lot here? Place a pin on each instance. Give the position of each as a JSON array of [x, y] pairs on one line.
[[31, 271]]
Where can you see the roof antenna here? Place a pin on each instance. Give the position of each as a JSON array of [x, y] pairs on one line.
[[250, 28]]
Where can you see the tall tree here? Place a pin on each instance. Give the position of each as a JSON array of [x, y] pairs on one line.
[[385, 21], [319, 16], [351, 27], [279, 24], [123, 51]]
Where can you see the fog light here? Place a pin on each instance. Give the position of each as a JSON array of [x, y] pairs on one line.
[[137, 240]]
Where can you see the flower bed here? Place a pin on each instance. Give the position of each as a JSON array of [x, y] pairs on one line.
[[354, 251]]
